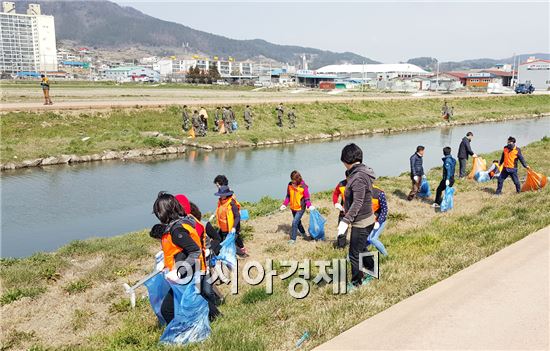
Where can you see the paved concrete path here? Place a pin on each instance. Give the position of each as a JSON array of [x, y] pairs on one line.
[[498, 303]]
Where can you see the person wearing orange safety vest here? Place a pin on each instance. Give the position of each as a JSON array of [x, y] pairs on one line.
[[379, 208], [297, 198], [509, 162], [183, 248], [494, 170], [229, 217]]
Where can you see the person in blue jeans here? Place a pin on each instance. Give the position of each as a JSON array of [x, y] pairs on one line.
[[297, 198], [509, 161], [449, 165]]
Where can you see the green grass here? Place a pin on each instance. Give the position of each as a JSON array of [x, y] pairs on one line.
[[420, 256], [32, 135], [77, 286]]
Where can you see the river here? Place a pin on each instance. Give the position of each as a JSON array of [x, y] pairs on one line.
[[45, 208]]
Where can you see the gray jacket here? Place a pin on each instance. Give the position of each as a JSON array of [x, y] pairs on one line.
[[358, 195]]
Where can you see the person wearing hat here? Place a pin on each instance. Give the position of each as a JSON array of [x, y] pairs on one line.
[[229, 217]]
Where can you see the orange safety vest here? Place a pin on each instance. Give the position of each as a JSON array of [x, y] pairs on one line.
[[375, 200], [170, 249], [224, 214], [296, 196], [510, 157], [342, 189], [492, 173]]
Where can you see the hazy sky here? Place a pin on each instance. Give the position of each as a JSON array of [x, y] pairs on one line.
[[383, 31]]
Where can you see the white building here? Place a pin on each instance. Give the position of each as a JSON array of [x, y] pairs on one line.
[[537, 72], [132, 74], [380, 71], [27, 41], [226, 68]]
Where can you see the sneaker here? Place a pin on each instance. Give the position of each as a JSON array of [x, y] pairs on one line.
[[366, 279], [350, 288], [292, 242], [307, 237], [435, 205]]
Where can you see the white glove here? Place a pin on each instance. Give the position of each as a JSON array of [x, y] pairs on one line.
[[282, 208], [447, 182], [424, 176], [310, 208], [233, 231], [474, 155], [376, 225], [211, 218], [342, 228], [173, 276], [339, 207], [415, 179]]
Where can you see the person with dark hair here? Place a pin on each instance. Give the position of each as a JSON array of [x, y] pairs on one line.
[[417, 171], [509, 161], [298, 199], [358, 212], [248, 117], [214, 239], [495, 169], [45, 84], [229, 217], [449, 164], [182, 246], [465, 151], [221, 180]]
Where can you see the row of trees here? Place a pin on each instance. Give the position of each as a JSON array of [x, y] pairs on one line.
[[197, 75]]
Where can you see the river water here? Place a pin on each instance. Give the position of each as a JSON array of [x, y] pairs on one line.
[[43, 209]]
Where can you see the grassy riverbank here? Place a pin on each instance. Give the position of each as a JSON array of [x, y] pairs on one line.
[[72, 299], [33, 135]]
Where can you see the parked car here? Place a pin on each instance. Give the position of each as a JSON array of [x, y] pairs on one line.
[[221, 82], [524, 88]]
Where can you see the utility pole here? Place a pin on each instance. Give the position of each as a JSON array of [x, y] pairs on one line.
[[437, 77], [363, 78]]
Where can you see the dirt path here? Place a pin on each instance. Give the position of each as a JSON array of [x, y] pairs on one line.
[[498, 303], [124, 99]]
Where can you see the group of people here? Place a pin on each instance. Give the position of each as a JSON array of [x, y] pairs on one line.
[[225, 121], [506, 167], [185, 240]]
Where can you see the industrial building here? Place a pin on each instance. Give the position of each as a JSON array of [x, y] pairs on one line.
[[373, 71], [27, 41], [537, 72]]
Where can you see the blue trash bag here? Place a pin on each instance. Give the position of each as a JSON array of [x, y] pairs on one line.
[[316, 225], [234, 125], [424, 189], [447, 203], [482, 176], [190, 323], [244, 215], [374, 241], [157, 287], [228, 252]]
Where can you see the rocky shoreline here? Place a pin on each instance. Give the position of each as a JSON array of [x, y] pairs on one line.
[[182, 148]]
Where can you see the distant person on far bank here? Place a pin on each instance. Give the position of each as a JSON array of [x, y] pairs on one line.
[[248, 117], [447, 111], [217, 119], [464, 152], [204, 117], [292, 118], [45, 84], [185, 119], [509, 161], [280, 113], [417, 171]]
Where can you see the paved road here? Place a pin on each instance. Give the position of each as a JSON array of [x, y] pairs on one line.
[[499, 303], [95, 100]]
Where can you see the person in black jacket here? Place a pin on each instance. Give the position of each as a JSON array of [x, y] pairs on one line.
[[448, 179], [417, 171], [465, 151]]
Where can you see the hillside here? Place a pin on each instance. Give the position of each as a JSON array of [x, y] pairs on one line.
[[104, 24], [429, 63]]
